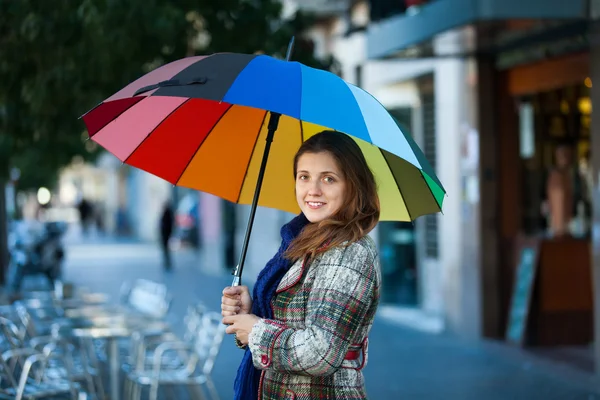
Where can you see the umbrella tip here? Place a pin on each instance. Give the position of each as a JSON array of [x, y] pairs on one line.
[[290, 49]]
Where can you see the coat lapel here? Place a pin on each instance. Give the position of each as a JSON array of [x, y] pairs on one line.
[[292, 277]]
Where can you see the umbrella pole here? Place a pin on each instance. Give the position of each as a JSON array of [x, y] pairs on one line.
[[273, 123]]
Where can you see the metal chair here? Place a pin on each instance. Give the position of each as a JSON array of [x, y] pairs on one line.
[[196, 360], [143, 345], [77, 358], [143, 342], [26, 373], [147, 298]]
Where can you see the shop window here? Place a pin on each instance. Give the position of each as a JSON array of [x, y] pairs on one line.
[[556, 174]]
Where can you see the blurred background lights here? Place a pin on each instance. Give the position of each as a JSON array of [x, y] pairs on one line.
[[43, 196]]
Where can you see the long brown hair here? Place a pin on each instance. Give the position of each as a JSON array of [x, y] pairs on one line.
[[359, 213]]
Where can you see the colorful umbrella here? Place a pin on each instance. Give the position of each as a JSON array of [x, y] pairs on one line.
[[201, 122]]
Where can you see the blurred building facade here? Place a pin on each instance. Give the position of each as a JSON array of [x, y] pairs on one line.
[[512, 85], [124, 201]]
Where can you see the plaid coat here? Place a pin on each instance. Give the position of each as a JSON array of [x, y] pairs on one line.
[[322, 312]]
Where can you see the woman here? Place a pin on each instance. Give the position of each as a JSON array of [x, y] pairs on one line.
[[306, 329]]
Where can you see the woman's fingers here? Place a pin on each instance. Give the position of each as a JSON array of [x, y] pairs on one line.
[[230, 302], [228, 313], [233, 309], [235, 290], [229, 306], [230, 329], [232, 290]]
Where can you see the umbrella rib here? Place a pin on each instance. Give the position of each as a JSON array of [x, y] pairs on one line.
[[397, 184], [153, 130], [91, 109], [251, 154], [202, 142]]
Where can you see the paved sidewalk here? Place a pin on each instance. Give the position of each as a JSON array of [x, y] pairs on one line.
[[403, 364]]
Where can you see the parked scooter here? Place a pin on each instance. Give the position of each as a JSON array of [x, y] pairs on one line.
[[35, 248]]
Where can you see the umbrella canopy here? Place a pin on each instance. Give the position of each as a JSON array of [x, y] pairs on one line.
[[201, 122]]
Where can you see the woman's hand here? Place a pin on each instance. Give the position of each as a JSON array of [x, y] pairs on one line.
[[241, 325], [236, 300]]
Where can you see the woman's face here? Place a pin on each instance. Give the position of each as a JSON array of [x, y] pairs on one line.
[[320, 186]]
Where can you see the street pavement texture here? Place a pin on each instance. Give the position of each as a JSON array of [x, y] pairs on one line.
[[403, 363]]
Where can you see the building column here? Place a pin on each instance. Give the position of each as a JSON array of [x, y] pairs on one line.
[[458, 158], [211, 231]]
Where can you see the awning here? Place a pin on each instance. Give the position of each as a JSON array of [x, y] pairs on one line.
[[396, 34]]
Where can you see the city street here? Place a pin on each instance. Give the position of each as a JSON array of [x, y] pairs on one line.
[[460, 134], [403, 363]]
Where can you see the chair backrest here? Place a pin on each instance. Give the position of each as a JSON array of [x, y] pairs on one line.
[[150, 298], [193, 321], [28, 328], [9, 312], [208, 340]]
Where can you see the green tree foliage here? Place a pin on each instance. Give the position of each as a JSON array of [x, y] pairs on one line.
[[59, 58]]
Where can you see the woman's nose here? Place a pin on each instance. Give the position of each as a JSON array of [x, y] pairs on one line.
[[314, 189]]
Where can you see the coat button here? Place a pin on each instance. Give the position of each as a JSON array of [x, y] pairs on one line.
[[264, 359]]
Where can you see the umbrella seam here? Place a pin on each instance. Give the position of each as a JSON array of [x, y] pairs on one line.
[[301, 139], [300, 106], [152, 131], [397, 183], [202, 142], [250, 159], [237, 76]]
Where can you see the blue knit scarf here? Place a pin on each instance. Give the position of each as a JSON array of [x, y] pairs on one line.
[[248, 377]]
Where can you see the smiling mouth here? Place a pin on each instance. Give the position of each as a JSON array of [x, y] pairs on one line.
[[315, 204]]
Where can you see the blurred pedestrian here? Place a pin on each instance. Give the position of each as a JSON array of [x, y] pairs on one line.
[[99, 218], [565, 191], [85, 213], [166, 230], [305, 329]]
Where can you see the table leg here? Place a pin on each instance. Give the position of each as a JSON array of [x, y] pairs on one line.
[[113, 354]]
